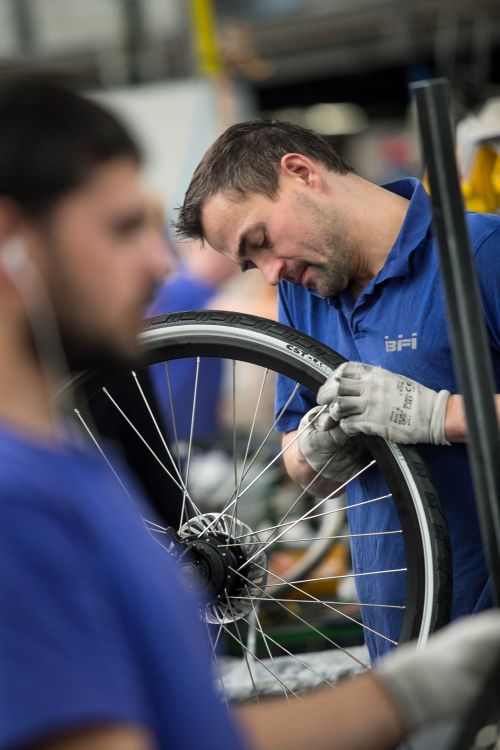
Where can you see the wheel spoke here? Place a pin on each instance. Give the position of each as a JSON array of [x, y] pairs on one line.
[[141, 438], [336, 578], [99, 448], [308, 517], [270, 598], [249, 441], [156, 526], [215, 658], [172, 414], [272, 428], [280, 453], [190, 445], [318, 538], [247, 651], [234, 495], [235, 465], [334, 609], [259, 661], [266, 644], [235, 456], [182, 485], [305, 515], [252, 428], [294, 656]]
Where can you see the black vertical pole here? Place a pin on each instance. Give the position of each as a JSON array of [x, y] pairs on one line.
[[469, 339]]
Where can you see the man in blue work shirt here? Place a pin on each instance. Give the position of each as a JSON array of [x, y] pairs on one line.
[[357, 268], [100, 646]]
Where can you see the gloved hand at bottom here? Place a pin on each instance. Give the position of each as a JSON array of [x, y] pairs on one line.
[[442, 680], [326, 447]]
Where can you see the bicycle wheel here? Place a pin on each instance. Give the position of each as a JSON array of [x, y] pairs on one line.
[[231, 556]]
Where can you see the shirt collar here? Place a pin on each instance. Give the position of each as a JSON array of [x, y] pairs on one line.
[[415, 227]]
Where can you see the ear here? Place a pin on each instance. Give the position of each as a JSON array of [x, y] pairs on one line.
[[15, 260], [299, 167], [8, 227]]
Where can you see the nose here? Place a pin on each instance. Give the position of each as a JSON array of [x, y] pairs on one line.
[[271, 268], [157, 254]]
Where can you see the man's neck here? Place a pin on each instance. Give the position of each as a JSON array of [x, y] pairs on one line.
[[25, 402], [379, 217]]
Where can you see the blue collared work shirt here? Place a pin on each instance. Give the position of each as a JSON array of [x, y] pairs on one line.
[[96, 626], [398, 322]]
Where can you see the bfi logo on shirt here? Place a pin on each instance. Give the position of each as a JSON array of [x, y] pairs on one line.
[[396, 345]]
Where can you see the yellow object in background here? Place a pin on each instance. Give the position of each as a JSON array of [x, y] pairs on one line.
[[495, 179], [205, 39], [478, 153], [481, 191]]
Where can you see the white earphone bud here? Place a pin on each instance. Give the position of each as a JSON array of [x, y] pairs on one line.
[[14, 258]]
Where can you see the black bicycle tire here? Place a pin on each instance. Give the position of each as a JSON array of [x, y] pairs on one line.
[[292, 353]]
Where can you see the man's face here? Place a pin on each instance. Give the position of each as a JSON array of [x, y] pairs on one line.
[[296, 237], [101, 260]]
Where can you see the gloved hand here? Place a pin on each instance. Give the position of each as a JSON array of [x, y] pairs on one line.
[[326, 447], [443, 679], [374, 401]]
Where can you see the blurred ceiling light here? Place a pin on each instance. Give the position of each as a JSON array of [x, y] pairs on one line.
[[336, 119], [294, 115]]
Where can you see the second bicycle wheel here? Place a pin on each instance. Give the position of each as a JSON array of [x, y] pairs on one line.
[[260, 570]]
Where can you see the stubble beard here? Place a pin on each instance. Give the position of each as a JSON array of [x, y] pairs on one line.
[[333, 278], [62, 337], [61, 346], [332, 240]]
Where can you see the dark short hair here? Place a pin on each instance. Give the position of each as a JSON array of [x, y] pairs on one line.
[[51, 141], [245, 159]]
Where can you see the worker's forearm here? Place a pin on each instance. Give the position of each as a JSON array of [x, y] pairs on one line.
[[299, 470], [359, 715], [455, 425]]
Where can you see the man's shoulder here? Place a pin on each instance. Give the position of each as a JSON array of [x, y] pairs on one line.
[[64, 487], [483, 227], [30, 464]]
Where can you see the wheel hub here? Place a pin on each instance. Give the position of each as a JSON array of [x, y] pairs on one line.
[[215, 549]]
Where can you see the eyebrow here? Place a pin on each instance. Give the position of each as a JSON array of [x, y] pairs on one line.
[[129, 222]]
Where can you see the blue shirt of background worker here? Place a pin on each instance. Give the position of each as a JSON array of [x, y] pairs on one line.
[[399, 323], [185, 291], [96, 627]]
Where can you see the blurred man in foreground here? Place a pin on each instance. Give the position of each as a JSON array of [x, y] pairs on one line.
[[99, 644]]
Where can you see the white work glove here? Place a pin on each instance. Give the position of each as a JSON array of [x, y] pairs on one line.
[[326, 447], [442, 680], [374, 401]]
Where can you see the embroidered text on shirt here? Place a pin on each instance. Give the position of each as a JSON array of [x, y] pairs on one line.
[[396, 345]]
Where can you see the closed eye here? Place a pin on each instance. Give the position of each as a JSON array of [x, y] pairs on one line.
[[248, 243]]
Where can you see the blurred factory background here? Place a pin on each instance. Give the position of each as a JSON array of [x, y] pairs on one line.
[[182, 70]]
